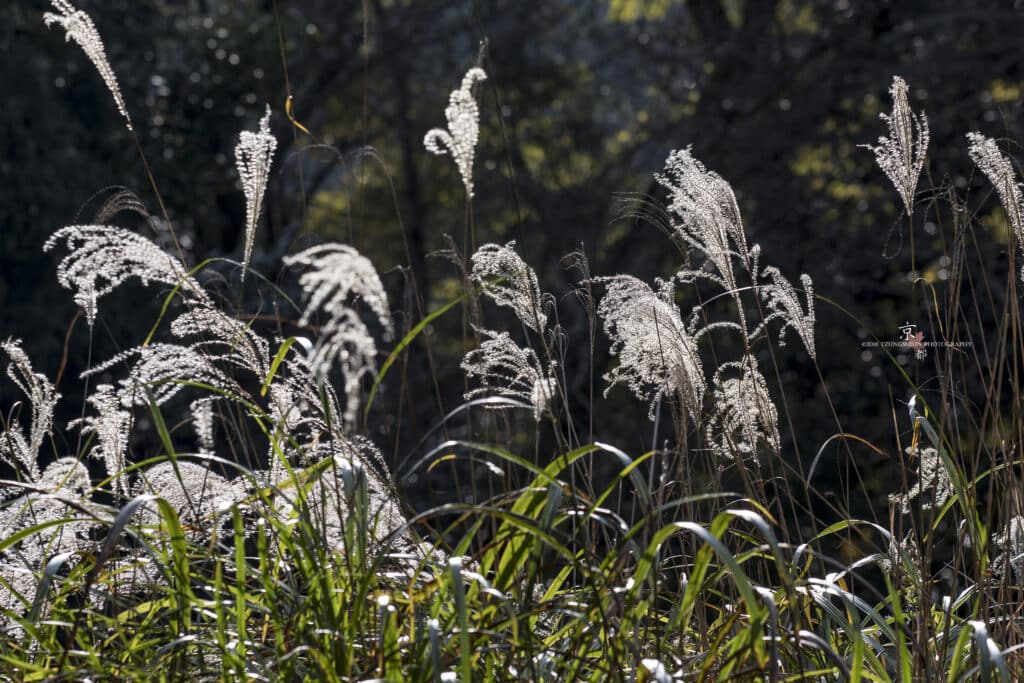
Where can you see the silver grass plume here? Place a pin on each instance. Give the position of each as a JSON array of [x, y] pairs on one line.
[[224, 338], [999, 171], [460, 139], [336, 277], [901, 155], [254, 154], [197, 493], [509, 281], [65, 479], [784, 304], [202, 421], [335, 495], [932, 476], [745, 414], [704, 207], [78, 27], [112, 426], [704, 215], [1010, 542], [505, 369], [100, 258], [336, 274], [657, 354], [160, 371], [42, 396]]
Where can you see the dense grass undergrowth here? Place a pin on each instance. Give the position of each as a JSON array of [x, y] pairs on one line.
[[289, 556]]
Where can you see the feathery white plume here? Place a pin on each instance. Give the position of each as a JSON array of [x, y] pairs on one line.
[[460, 139], [42, 396], [518, 288], [1010, 542], [901, 155], [784, 303], [336, 277], [254, 154], [999, 171], [505, 369], [932, 475], [703, 211], [222, 337], [112, 426], [657, 354], [745, 414], [100, 258], [78, 27], [161, 369], [336, 274]]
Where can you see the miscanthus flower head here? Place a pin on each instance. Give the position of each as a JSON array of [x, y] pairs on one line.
[[460, 139], [101, 257], [745, 415], [509, 281], [999, 171], [42, 396], [901, 155], [656, 351], [253, 156], [78, 27], [932, 476], [503, 368]]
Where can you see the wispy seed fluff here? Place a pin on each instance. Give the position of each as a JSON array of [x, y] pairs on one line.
[[509, 281], [999, 171], [460, 139], [932, 476], [901, 154], [505, 369], [254, 154], [657, 353], [100, 258], [336, 277], [745, 415], [78, 27], [704, 213], [784, 304], [42, 396]]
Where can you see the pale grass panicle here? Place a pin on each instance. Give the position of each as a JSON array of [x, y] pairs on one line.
[[1010, 542], [160, 371], [336, 278], [932, 477], [336, 275], [100, 258], [65, 479], [254, 154], [784, 304], [203, 423], [460, 139], [704, 214], [78, 26], [222, 337], [112, 425], [657, 355], [42, 396], [510, 282], [347, 342], [505, 369], [744, 414], [196, 492], [901, 154], [999, 171]]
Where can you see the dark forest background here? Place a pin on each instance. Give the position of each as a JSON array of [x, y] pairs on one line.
[[584, 101]]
